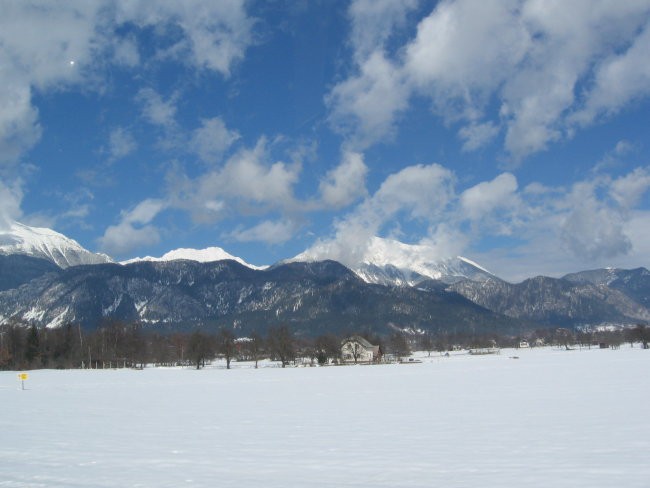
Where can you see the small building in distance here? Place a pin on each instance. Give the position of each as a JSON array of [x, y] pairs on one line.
[[356, 349]]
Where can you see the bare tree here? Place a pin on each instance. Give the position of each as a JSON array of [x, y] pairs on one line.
[[226, 345], [564, 337], [254, 347], [328, 347], [642, 334], [398, 345], [427, 343], [281, 344], [199, 348]]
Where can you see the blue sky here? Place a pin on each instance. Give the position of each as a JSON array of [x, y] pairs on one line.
[[512, 132]]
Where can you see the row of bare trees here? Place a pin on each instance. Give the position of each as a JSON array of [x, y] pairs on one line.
[[117, 344], [558, 336]]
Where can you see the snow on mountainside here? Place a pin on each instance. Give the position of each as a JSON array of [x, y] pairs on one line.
[[47, 244], [207, 255], [386, 261]]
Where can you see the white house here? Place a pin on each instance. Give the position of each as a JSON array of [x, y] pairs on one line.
[[356, 349]]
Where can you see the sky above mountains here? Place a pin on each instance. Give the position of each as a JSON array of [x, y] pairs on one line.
[[512, 132]]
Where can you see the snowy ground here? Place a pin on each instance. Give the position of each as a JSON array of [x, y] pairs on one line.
[[551, 418]]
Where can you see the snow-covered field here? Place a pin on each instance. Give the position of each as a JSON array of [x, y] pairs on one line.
[[551, 418]]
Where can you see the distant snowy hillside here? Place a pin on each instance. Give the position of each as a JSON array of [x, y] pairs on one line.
[[207, 255], [390, 262], [47, 244]]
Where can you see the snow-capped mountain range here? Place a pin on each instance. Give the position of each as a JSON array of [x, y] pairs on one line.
[[390, 262], [47, 244], [322, 286], [383, 261]]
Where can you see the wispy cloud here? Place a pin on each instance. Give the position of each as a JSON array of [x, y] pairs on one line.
[[121, 143]]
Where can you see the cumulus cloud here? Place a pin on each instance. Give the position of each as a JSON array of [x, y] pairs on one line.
[[45, 45], [249, 182], [212, 139], [592, 228], [252, 182], [464, 50], [345, 183], [627, 190], [593, 222], [532, 59], [420, 193], [134, 229], [38, 40], [365, 105], [487, 197]]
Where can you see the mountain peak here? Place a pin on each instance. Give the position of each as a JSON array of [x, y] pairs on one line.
[[48, 244], [207, 255], [388, 261]]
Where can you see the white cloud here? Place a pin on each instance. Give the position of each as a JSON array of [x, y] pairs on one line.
[[156, 110], [464, 50], [593, 223], [249, 182], [364, 106], [487, 197], [373, 22], [215, 34], [477, 135], [53, 45], [619, 80], [11, 196], [37, 42], [126, 53], [531, 58], [628, 190], [420, 192], [121, 143], [212, 139], [417, 193], [592, 228], [134, 229], [248, 175], [345, 183], [19, 127]]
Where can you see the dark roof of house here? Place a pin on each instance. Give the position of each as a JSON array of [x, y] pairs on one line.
[[360, 340]]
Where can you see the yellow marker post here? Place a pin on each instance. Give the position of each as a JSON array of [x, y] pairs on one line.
[[22, 377]]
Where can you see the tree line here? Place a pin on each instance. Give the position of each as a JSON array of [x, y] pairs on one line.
[[118, 344]]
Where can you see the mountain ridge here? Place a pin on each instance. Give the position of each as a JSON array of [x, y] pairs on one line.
[[312, 297], [163, 290]]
